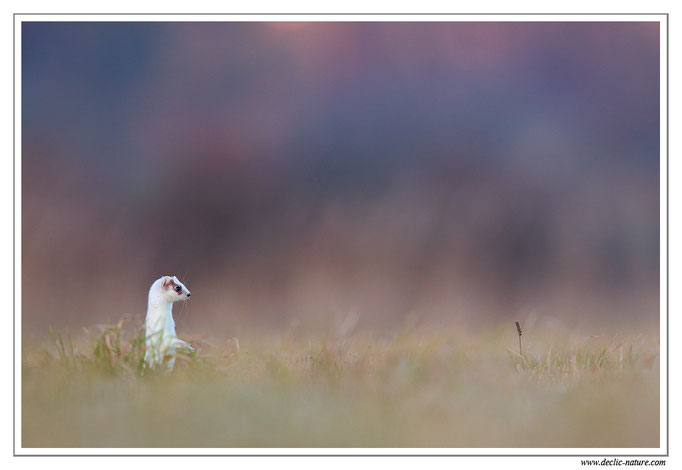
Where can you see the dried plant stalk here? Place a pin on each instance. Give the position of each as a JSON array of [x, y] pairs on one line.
[[518, 328]]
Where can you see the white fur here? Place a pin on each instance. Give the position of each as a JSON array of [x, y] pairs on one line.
[[160, 336]]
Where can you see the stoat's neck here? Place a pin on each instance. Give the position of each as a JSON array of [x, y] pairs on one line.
[[159, 304], [159, 310]]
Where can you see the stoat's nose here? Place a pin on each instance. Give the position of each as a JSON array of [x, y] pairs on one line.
[[188, 294]]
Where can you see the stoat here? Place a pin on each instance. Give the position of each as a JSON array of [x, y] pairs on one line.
[[160, 336]]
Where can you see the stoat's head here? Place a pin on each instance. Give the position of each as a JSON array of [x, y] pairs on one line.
[[172, 289]]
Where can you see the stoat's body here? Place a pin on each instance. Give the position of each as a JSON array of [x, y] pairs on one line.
[[160, 336]]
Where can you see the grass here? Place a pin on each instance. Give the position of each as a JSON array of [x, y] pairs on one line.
[[409, 389]]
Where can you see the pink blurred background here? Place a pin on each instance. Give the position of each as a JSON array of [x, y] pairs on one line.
[[305, 172]]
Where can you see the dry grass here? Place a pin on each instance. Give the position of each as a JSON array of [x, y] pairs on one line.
[[411, 389]]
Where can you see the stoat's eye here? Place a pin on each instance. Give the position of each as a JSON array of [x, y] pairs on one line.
[[178, 289]]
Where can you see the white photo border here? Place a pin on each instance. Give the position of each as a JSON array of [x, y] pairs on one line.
[[662, 451]]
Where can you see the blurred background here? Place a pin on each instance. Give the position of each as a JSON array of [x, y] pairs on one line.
[[308, 173]]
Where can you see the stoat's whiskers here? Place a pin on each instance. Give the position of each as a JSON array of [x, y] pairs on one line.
[[183, 308]]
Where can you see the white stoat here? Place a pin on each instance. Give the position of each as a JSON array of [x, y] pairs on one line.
[[160, 336]]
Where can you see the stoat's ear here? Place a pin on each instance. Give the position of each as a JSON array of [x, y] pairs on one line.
[[166, 282]]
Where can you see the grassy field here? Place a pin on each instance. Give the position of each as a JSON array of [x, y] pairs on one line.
[[409, 389]]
